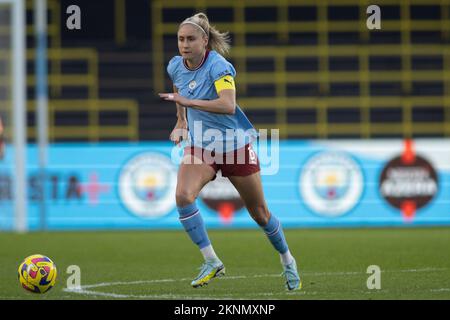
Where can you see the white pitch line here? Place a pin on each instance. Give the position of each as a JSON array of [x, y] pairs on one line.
[[440, 290], [174, 296], [152, 296], [107, 284], [351, 273], [82, 289]]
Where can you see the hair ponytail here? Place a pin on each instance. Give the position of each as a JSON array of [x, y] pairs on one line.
[[218, 41]]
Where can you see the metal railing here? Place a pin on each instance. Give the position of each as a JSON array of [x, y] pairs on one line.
[[58, 80]]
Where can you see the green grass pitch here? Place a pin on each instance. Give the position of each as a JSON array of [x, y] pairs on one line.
[[414, 263]]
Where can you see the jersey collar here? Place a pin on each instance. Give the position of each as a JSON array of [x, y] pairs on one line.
[[201, 63]]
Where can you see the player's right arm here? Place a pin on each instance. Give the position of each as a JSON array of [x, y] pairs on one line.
[[181, 111], [179, 133]]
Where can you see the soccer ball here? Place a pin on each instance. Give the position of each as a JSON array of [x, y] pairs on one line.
[[37, 273]]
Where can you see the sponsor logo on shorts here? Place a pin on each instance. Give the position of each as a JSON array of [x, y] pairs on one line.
[[253, 159], [331, 183], [217, 142], [147, 185]]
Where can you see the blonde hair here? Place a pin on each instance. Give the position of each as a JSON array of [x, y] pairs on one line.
[[218, 41]]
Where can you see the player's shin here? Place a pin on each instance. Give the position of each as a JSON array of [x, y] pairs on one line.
[[192, 222], [274, 232]]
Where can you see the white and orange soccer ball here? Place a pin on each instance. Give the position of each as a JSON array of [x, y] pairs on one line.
[[37, 273]]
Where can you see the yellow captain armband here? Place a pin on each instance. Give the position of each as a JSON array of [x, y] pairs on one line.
[[226, 82]]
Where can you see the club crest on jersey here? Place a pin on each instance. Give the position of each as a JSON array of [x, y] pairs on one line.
[[192, 85]]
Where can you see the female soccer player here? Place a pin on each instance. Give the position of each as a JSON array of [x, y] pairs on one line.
[[203, 83]]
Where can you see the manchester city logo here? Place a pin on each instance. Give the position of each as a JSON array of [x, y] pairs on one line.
[[147, 185], [192, 84]]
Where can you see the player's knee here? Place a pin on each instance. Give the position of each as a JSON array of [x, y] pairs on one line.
[[260, 214], [184, 197]]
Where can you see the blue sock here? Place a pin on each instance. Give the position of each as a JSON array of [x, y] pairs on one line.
[[274, 232], [192, 222]]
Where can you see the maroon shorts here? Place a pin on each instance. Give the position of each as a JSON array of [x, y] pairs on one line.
[[240, 162]]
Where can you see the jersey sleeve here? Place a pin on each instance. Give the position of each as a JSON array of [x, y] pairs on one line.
[[171, 68], [220, 69]]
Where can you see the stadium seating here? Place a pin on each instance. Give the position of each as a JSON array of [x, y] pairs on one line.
[[313, 69]]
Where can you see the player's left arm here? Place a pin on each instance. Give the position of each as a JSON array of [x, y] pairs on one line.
[[225, 104]]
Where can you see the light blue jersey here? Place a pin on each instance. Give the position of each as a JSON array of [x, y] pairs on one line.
[[204, 126]]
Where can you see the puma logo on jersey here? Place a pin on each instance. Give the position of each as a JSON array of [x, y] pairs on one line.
[[226, 80]]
